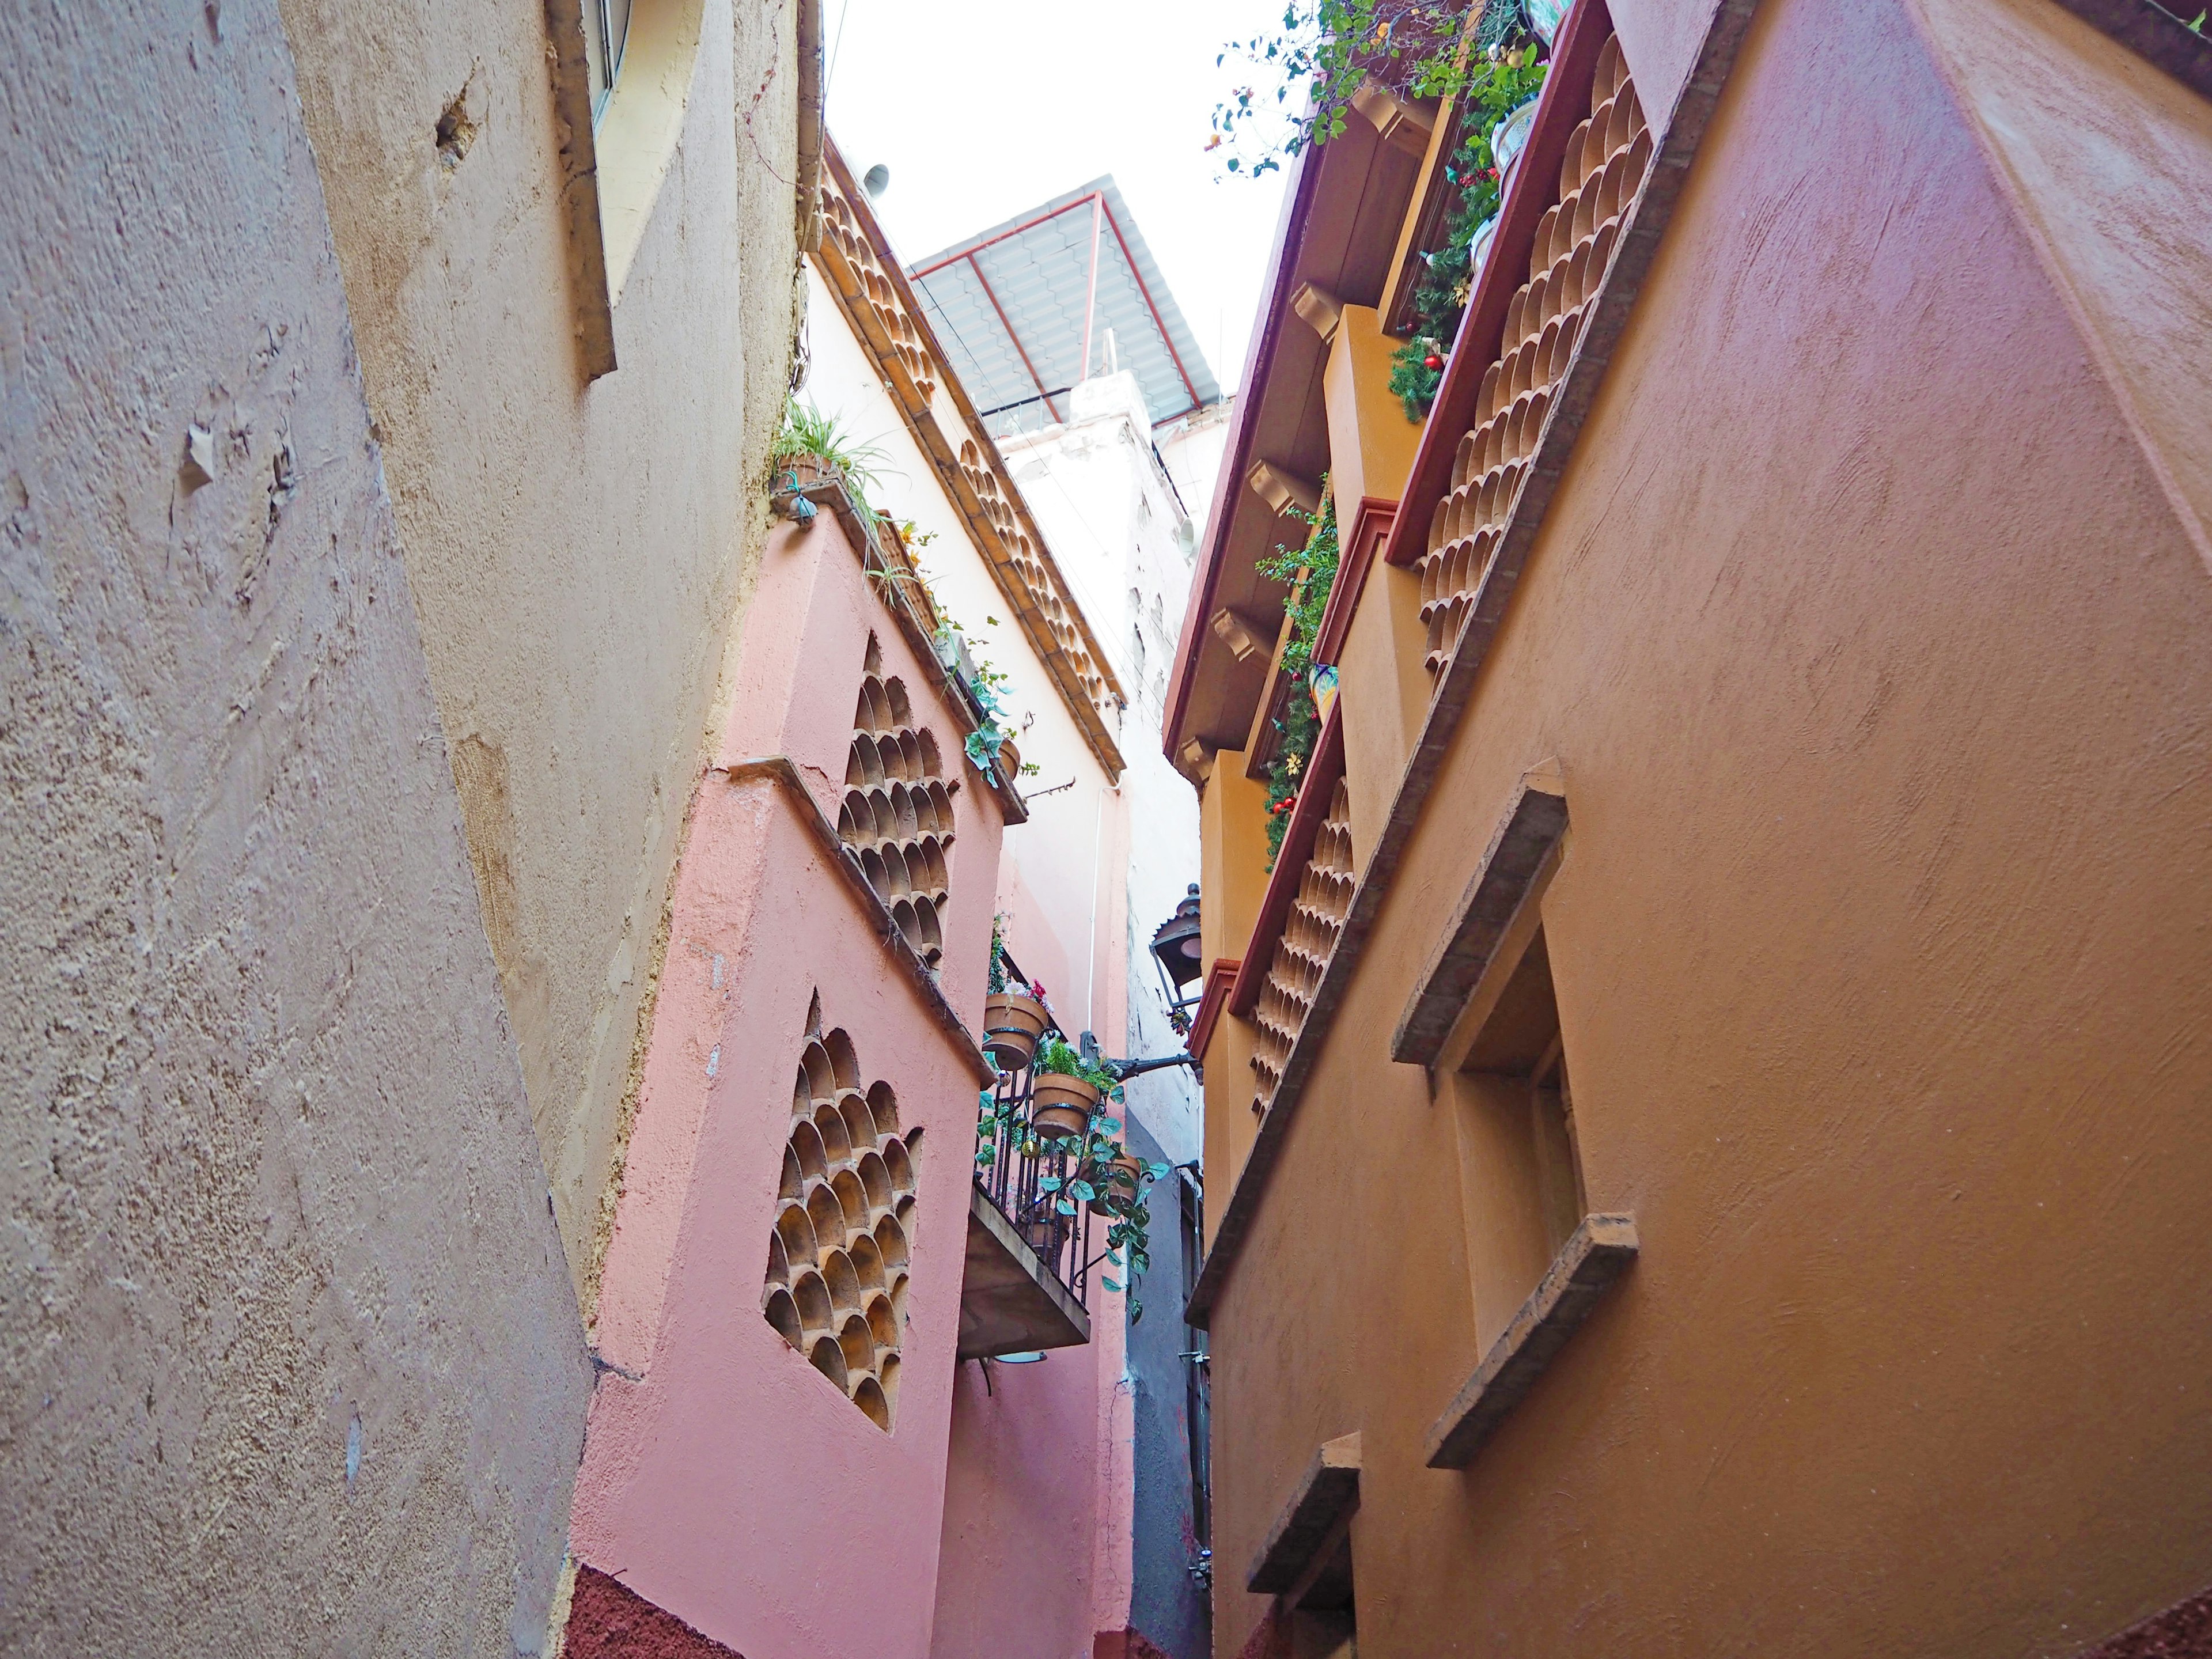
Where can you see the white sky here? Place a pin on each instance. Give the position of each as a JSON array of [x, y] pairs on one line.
[[983, 109]]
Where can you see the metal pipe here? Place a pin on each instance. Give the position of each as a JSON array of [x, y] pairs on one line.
[[1126, 1069], [1035, 378], [1091, 302]]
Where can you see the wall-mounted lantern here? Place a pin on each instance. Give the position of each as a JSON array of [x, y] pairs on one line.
[[1181, 960]]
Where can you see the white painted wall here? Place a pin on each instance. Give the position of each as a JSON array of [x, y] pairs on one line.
[[1116, 503]]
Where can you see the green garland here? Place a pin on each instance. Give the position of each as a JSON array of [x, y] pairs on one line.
[[1493, 91], [1311, 571]]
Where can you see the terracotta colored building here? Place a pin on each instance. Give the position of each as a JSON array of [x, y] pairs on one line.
[[1704, 1124]]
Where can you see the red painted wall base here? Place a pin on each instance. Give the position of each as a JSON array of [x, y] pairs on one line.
[[2181, 1632], [607, 1620], [1124, 1645]]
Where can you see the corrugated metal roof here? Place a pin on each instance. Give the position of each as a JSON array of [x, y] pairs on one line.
[[1008, 308]]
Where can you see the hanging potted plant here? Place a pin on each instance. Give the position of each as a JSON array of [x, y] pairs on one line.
[[1065, 1091], [1115, 1185], [1122, 1176], [1014, 1017]]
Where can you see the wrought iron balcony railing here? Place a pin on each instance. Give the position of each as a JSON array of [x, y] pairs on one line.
[[1027, 1180]]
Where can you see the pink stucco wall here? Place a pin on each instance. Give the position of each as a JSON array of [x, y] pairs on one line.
[[1038, 1502], [724, 1480]]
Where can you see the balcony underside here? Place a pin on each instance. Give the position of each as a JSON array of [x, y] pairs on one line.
[[1009, 1303]]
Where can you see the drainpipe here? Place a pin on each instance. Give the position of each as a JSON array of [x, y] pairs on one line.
[[810, 126]]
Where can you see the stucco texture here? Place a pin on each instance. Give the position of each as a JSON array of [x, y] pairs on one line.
[[291, 1361], [726, 1480], [578, 552], [1872, 638]]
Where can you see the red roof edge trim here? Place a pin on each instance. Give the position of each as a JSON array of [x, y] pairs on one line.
[[1306, 819], [1259, 363], [1369, 529]]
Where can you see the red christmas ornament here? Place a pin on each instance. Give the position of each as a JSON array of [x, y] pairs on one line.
[[1432, 361]]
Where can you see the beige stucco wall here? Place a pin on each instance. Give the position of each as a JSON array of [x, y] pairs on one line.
[[578, 551], [289, 1357]]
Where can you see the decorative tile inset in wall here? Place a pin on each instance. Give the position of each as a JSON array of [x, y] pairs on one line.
[[897, 816], [856, 263], [1605, 164], [837, 1259], [914, 372], [1309, 937]]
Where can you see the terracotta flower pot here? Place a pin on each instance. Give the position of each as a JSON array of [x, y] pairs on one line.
[[1061, 1106], [1010, 762], [1013, 1022], [1121, 1177]]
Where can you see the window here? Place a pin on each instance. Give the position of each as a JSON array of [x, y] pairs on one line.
[[1519, 1158], [606, 31]]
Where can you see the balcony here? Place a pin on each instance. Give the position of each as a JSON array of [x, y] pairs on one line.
[[1029, 1264]]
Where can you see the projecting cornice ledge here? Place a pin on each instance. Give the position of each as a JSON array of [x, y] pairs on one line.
[[1528, 835], [877, 300], [1327, 1494], [1584, 1270], [778, 768]]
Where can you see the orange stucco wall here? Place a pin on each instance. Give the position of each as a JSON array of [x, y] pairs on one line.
[[1871, 632]]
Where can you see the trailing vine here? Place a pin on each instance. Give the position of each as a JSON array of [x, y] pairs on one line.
[[1498, 86], [1311, 571], [1325, 51], [1310, 69], [1486, 57]]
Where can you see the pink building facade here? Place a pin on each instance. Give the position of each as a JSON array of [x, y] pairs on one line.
[[803, 1441], [767, 1448]]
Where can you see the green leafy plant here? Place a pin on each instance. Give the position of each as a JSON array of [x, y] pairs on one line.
[[995, 980], [1325, 51], [1494, 88], [1311, 571], [1099, 1178], [1056, 1055], [990, 689], [1094, 1173], [993, 1115], [809, 434], [992, 692]]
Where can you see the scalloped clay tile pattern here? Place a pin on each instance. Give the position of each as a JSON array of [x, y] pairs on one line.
[[838, 1255], [1605, 164], [908, 354], [897, 818], [1308, 936], [853, 265]]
